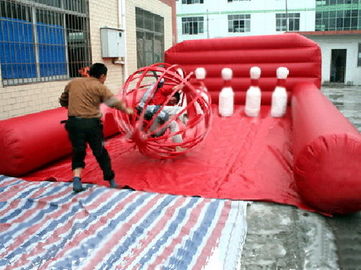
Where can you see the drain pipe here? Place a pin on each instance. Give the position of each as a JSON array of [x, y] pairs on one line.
[[122, 25]]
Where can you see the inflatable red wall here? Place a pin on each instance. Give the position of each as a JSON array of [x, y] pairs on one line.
[[300, 55]]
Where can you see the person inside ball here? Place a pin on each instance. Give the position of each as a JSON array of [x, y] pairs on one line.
[[160, 109]]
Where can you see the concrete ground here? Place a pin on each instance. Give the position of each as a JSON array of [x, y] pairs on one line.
[[283, 237]]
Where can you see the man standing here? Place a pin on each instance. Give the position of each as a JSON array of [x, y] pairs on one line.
[[82, 97]]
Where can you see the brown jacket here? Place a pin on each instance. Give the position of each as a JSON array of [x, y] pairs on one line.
[[83, 97]]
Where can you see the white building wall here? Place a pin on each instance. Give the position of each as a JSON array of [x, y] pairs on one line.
[[350, 43], [96, 21]]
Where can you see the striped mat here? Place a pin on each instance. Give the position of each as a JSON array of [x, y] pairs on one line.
[[44, 225]]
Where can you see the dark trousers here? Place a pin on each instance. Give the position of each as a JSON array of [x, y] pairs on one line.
[[83, 131]]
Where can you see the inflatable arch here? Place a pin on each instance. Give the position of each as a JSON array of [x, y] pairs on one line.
[[310, 158]]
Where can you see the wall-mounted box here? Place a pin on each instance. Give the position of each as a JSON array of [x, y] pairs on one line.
[[112, 42]]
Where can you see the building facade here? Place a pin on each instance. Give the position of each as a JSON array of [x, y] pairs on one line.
[[334, 24], [225, 18], [44, 44]]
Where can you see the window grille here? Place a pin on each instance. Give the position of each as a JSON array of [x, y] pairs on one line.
[[287, 21], [336, 2], [150, 38], [338, 20], [188, 2], [239, 23], [43, 40], [192, 25]]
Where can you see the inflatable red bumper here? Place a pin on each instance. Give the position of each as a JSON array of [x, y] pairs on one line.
[[327, 153], [31, 141]]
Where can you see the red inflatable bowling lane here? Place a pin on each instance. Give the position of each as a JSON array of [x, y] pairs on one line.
[[309, 158]]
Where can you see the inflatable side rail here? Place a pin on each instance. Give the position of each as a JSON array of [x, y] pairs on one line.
[[327, 153], [29, 142]]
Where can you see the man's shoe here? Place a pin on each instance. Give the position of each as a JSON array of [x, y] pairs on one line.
[[128, 188], [113, 184], [77, 186]]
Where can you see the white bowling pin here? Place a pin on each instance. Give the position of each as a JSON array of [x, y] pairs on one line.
[[226, 96], [279, 95], [200, 73], [180, 72], [253, 95]]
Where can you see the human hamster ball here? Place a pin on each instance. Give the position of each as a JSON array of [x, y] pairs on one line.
[[172, 111]]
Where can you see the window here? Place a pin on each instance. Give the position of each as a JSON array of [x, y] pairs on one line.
[[287, 21], [41, 43], [336, 2], [150, 37], [338, 20], [188, 2], [239, 23], [192, 25], [359, 55]]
